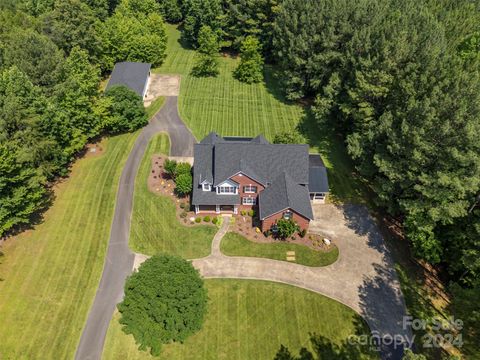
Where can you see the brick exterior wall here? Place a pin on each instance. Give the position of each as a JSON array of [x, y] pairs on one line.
[[243, 180], [302, 221]]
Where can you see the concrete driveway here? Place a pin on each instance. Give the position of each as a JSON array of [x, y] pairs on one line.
[[363, 277], [162, 85]]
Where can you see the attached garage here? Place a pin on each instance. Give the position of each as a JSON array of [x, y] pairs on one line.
[[317, 180]]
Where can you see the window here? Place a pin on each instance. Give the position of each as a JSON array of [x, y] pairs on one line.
[[226, 190], [287, 215], [206, 187], [319, 196], [249, 201], [250, 189]]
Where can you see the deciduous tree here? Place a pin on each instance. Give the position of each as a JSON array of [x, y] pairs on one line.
[[165, 301], [208, 47], [250, 69]]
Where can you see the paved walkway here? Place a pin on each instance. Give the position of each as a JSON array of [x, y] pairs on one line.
[[363, 277], [119, 260]]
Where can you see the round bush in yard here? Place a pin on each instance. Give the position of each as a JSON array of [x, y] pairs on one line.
[[165, 301]]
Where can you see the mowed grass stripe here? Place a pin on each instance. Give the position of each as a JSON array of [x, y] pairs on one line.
[[72, 279], [155, 227], [63, 258], [249, 320], [90, 248], [87, 219], [57, 282], [224, 104]]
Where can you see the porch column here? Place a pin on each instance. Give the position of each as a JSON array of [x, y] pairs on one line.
[[217, 209], [197, 209], [235, 210]]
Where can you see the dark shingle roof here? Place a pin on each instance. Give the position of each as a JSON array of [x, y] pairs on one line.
[[283, 168], [133, 75], [317, 175], [203, 163], [265, 161], [284, 193], [201, 197]]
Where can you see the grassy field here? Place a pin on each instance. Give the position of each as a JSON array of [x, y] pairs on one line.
[[234, 244], [51, 273], [250, 320], [155, 227], [224, 104], [229, 107], [155, 106]]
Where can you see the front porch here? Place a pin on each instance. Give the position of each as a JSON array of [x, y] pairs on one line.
[[216, 209]]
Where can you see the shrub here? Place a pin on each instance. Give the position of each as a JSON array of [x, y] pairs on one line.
[[182, 205], [183, 184], [182, 168], [232, 220], [267, 233], [125, 110], [288, 137], [170, 166], [219, 221], [251, 213], [243, 212], [165, 301], [250, 69], [183, 214], [206, 218], [302, 233], [198, 219], [286, 228], [214, 220]]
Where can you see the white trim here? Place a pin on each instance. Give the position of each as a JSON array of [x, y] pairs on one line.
[[250, 186], [254, 200], [251, 177], [228, 182], [287, 208], [217, 209], [197, 209], [209, 187], [235, 209]]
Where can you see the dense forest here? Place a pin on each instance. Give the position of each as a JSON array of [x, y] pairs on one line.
[[398, 79]]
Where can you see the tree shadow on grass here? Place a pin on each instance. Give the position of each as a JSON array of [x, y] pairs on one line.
[[273, 86], [184, 43], [322, 348], [346, 185]]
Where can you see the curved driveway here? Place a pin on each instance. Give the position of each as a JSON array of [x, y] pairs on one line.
[[119, 260], [363, 277]]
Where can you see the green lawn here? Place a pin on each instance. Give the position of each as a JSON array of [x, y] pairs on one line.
[[250, 320], [224, 104], [155, 106], [234, 244], [155, 227], [51, 273], [230, 107]]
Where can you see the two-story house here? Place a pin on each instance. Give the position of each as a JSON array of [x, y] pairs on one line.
[[231, 174]]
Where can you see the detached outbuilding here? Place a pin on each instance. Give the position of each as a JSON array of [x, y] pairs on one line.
[[134, 75]]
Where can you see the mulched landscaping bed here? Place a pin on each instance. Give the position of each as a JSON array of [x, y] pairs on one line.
[[249, 227], [160, 183]]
